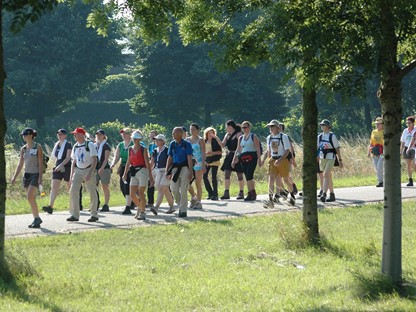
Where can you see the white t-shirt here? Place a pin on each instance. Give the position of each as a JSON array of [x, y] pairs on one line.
[[325, 143], [278, 144], [83, 158], [407, 136]]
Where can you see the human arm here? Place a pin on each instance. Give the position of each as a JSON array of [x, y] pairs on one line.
[[190, 165], [168, 165], [105, 161], [116, 158], [237, 151], [257, 145], [40, 162], [149, 168]]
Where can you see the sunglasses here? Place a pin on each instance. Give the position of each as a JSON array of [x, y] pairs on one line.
[[244, 127]]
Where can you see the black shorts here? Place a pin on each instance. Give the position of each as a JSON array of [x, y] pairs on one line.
[[227, 163], [249, 168], [30, 179], [62, 175], [409, 156]]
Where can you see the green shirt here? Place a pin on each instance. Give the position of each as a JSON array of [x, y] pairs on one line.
[[124, 152]]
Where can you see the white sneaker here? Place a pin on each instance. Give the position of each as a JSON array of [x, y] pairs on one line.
[[198, 205]]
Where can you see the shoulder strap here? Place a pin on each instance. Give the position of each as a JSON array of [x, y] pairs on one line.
[[330, 139]]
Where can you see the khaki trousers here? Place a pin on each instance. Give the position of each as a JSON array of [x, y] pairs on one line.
[[76, 185]]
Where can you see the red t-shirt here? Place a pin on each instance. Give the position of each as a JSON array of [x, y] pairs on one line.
[[136, 157]]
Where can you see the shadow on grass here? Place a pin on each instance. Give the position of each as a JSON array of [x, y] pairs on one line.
[[15, 273], [214, 221], [376, 286]]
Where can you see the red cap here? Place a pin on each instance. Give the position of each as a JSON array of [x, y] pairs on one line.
[[79, 130]]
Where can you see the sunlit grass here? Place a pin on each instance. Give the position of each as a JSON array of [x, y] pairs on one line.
[[252, 263]]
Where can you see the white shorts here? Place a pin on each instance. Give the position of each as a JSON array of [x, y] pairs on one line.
[[326, 165], [159, 175], [141, 178]]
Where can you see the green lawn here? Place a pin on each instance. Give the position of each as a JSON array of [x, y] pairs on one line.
[[251, 263]]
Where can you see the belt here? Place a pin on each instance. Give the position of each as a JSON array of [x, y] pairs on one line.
[[84, 168]]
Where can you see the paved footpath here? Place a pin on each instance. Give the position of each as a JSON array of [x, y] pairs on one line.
[[17, 226]]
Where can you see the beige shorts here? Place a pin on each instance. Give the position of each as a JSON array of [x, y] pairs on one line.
[[326, 165], [105, 177], [282, 169], [141, 178], [159, 175]]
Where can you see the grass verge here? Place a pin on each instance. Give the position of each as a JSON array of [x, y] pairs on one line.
[[250, 263]]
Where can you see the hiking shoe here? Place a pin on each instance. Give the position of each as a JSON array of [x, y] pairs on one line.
[[183, 214], [291, 201], [192, 203], [105, 208], [268, 204], [93, 219], [214, 197], [171, 210], [323, 198], [284, 194], [36, 223], [276, 198], [331, 197], [226, 195], [141, 216], [240, 195], [380, 184], [295, 189], [47, 209], [154, 210], [321, 192], [248, 197], [410, 182], [198, 205], [126, 211], [150, 205], [72, 219]]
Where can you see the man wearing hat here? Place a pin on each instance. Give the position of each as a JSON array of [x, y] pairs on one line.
[[62, 169], [84, 162], [278, 151], [375, 150], [328, 148], [158, 163]]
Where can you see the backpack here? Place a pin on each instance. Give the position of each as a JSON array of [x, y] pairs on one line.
[[261, 146], [329, 150], [289, 156], [45, 158]]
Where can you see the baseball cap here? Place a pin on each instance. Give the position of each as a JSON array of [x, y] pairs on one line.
[[325, 122], [160, 137], [184, 129], [27, 131], [273, 122], [125, 130], [379, 120], [63, 131], [79, 130], [100, 131], [137, 135]]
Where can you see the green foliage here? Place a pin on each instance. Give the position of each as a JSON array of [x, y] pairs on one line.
[[43, 77], [115, 88]]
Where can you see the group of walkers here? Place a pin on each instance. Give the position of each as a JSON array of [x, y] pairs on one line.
[[182, 166]]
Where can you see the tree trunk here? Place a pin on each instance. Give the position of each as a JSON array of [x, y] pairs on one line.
[[3, 128], [391, 102], [309, 131]]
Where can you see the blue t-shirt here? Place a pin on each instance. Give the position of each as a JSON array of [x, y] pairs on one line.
[[180, 151]]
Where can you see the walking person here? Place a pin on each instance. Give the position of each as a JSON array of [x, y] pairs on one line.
[[249, 155], [83, 168], [158, 163], [406, 150], [122, 152], [179, 170], [62, 169], [151, 188], [279, 151], [328, 148], [198, 156], [140, 171], [31, 158], [213, 153], [103, 166], [230, 141], [375, 150]]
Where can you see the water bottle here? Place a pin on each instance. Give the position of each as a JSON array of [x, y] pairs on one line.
[[41, 191]]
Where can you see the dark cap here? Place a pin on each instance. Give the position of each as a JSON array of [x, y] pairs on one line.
[[184, 129], [27, 131], [325, 122], [63, 131], [100, 131]]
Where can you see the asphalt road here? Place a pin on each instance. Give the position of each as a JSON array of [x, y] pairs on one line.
[[17, 226]]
